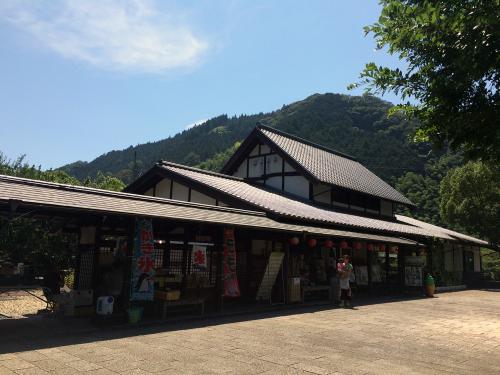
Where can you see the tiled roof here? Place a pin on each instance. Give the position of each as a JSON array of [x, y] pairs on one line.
[[64, 198], [266, 199], [331, 167], [440, 230]]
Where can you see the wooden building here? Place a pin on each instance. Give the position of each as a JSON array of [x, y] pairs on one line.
[[269, 228]]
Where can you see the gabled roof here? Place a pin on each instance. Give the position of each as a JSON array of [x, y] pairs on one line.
[[320, 164], [273, 202], [41, 196]]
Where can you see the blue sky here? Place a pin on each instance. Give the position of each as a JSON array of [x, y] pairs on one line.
[[85, 77]]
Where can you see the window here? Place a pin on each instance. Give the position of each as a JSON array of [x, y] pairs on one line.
[[340, 196], [372, 204]]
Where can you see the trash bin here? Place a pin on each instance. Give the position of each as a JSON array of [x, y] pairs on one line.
[[430, 286], [135, 314]]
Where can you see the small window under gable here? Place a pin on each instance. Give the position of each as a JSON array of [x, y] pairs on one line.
[[322, 193], [340, 197]]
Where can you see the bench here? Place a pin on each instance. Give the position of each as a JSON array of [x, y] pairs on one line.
[[184, 302], [314, 289]]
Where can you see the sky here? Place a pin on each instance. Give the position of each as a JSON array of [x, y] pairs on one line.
[[81, 78]]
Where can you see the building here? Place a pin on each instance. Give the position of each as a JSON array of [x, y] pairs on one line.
[[270, 227]]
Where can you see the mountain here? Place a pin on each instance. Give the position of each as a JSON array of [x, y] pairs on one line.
[[356, 125]]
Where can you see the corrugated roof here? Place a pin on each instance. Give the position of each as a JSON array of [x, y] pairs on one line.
[[264, 198], [331, 167], [437, 229], [68, 197]]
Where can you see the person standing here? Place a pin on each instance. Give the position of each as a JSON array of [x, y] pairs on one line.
[[344, 269]]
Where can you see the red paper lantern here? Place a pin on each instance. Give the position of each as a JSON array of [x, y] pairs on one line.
[[356, 245], [312, 242], [329, 244], [381, 247], [294, 241], [343, 245], [369, 247]]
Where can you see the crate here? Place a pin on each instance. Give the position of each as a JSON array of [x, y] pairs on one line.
[[168, 295]]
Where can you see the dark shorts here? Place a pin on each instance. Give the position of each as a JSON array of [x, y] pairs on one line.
[[345, 294]]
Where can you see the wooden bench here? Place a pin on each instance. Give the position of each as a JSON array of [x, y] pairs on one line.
[[314, 289], [184, 302]]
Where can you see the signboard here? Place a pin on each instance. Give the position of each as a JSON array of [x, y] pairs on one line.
[[376, 273], [142, 283], [231, 287], [199, 257], [413, 276]]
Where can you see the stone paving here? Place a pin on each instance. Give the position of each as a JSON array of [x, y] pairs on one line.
[[454, 333]]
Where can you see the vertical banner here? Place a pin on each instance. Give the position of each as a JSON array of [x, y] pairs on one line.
[[231, 288], [142, 283]]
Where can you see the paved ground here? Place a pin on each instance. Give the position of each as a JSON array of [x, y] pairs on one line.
[[455, 333]]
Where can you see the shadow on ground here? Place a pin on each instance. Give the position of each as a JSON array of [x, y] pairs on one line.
[[47, 331]]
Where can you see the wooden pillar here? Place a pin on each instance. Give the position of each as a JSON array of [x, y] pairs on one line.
[[219, 282]]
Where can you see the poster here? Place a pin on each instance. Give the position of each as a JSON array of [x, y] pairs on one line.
[[231, 288], [199, 258], [142, 283], [413, 276], [361, 275]]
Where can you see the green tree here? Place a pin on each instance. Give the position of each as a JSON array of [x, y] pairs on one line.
[[452, 53], [470, 199]]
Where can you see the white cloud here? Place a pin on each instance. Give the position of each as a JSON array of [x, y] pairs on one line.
[[131, 35], [196, 123]]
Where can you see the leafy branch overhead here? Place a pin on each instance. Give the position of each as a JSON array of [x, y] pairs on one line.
[[451, 79]]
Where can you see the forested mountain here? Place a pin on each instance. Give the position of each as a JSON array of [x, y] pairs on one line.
[[356, 125]]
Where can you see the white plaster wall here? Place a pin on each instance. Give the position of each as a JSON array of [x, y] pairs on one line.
[[198, 197], [274, 182], [264, 149], [274, 164], [180, 192], [289, 168], [256, 167], [163, 188], [297, 185], [255, 151], [242, 170]]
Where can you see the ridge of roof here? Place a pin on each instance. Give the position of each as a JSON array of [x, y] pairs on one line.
[[305, 141], [194, 169], [117, 194]]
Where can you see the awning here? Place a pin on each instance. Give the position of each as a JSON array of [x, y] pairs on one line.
[[41, 195]]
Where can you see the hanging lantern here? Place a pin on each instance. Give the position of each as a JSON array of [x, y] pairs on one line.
[[393, 250], [312, 242], [381, 247], [328, 244], [343, 245], [369, 247], [357, 246], [294, 241]]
